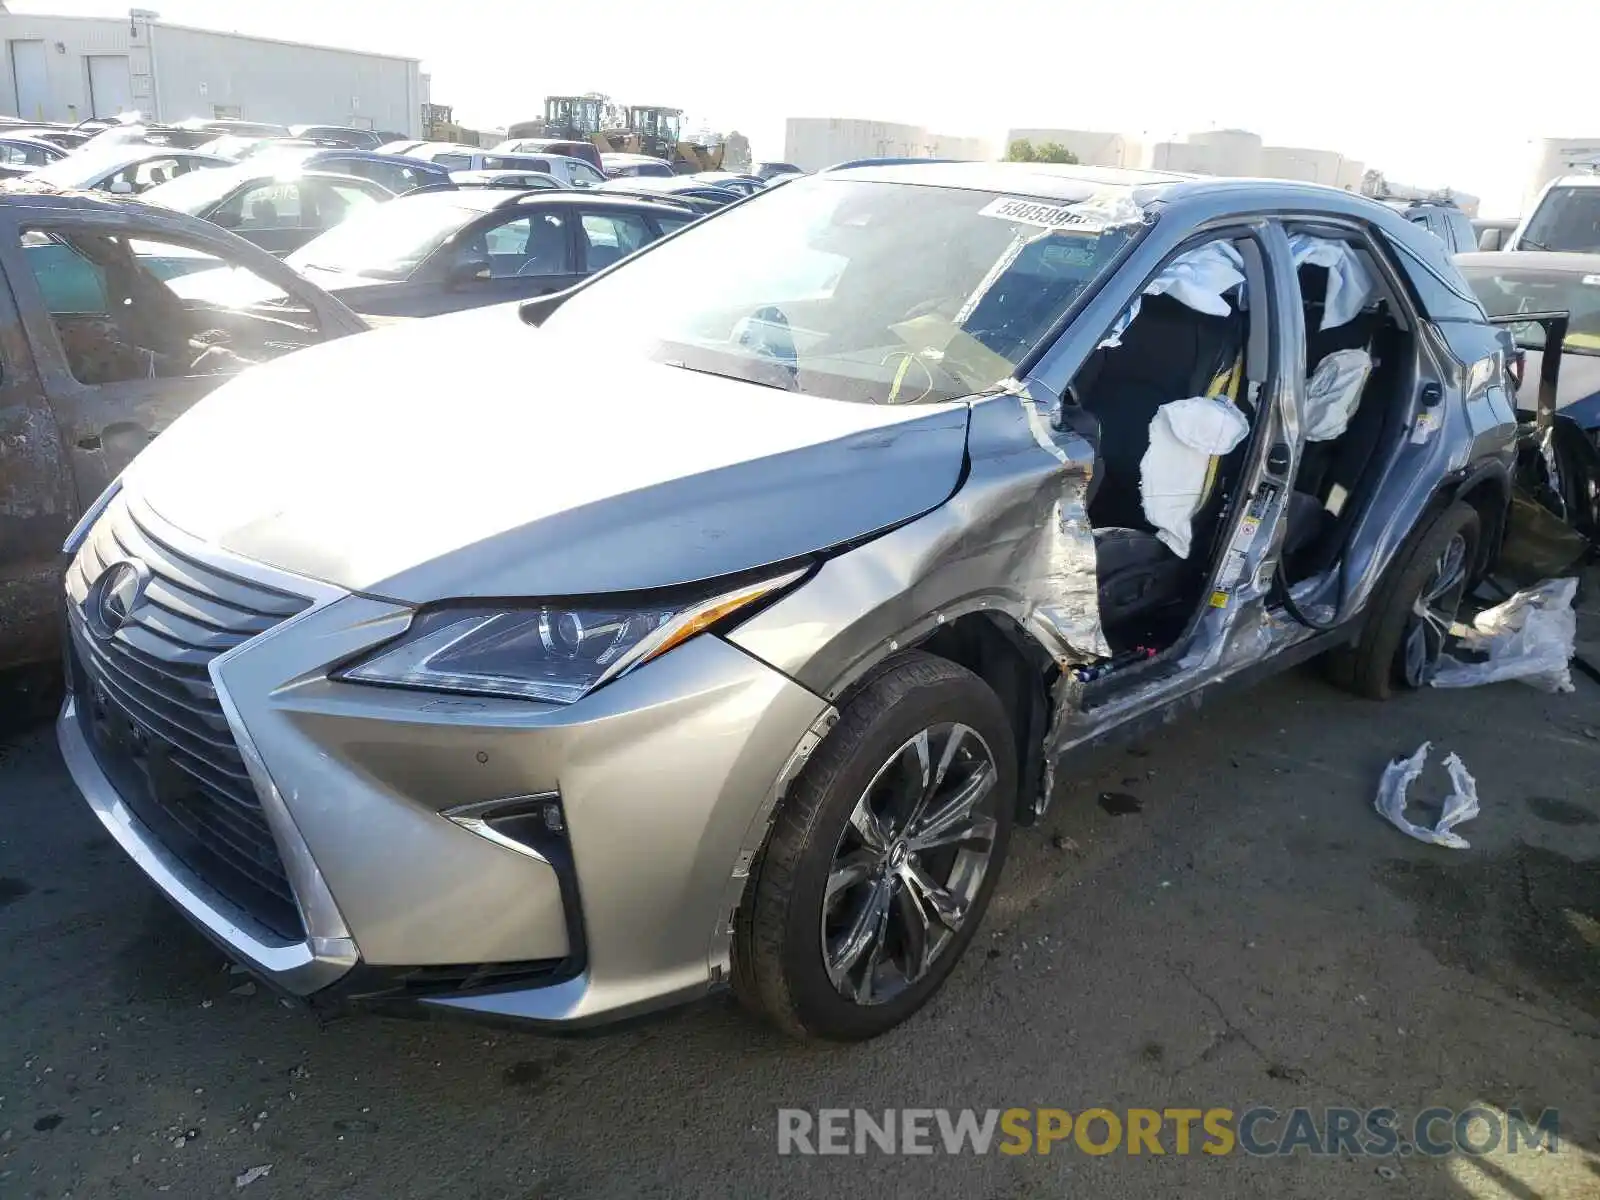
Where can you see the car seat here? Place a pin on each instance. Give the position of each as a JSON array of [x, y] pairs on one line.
[[546, 249], [1169, 352]]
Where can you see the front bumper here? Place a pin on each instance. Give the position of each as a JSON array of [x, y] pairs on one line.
[[666, 779]]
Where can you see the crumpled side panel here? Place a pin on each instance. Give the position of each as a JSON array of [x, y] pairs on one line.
[[1060, 581]]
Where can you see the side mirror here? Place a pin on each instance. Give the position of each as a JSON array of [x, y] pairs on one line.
[[469, 270]]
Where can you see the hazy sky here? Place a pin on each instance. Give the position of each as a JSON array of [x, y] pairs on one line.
[[1433, 92]]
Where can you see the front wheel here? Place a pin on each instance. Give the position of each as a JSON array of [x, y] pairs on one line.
[[883, 858], [1409, 619]]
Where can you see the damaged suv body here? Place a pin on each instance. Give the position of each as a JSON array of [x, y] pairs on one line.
[[725, 630]]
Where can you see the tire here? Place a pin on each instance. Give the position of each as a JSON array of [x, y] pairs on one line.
[[1373, 667], [782, 930]]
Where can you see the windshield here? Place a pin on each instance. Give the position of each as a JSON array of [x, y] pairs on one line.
[[1506, 291], [872, 292], [387, 241], [1568, 218], [193, 193]]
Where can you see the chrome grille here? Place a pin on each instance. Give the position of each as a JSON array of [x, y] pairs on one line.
[[153, 717]]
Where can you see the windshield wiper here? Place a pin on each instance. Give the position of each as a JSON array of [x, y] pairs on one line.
[[1528, 241]]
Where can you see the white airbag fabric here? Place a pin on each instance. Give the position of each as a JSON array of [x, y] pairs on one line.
[[1333, 391], [1184, 436], [1200, 279], [1350, 285]]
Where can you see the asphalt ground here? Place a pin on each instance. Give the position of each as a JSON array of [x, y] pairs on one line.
[[1212, 919]]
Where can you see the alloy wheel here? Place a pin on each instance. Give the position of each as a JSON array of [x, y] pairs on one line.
[[909, 864], [1434, 613]]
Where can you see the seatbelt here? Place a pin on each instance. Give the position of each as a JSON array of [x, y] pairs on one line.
[[1226, 383]]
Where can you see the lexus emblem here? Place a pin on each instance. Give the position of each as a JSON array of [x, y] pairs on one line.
[[115, 595]]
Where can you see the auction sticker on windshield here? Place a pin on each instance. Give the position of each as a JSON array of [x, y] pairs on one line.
[[1046, 216]]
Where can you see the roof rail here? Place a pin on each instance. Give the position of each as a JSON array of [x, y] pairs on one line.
[[890, 162]]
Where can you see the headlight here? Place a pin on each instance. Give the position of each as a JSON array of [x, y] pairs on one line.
[[555, 652]]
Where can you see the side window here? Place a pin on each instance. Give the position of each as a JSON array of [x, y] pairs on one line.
[[266, 206], [584, 175], [535, 244], [610, 236], [138, 308], [672, 224], [326, 203], [454, 162]]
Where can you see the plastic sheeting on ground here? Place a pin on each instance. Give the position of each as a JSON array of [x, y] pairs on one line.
[[1528, 638], [1184, 437], [1350, 285], [1460, 805], [1333, 391]]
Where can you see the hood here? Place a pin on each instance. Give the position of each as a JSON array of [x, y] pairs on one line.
[[473, 456], [342, 281]]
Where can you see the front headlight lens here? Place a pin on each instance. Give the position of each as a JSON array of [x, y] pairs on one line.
[[558, 653]]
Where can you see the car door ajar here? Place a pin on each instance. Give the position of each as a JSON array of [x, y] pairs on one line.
[[38, 502]]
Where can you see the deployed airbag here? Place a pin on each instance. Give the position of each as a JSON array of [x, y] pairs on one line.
[[1200, 278], [1185, 435], [1350, 285], [1333, 391]]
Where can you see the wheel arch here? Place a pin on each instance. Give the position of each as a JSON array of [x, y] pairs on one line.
[[996, 649], [1487, 488]]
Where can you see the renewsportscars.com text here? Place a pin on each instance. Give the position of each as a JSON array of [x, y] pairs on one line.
[[1433, 1132]]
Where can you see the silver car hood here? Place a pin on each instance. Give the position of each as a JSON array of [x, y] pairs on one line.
[[473, 456]]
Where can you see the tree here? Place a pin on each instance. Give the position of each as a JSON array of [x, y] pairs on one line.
[[1022, 150]]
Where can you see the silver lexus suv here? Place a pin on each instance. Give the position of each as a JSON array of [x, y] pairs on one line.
[[715, 621]]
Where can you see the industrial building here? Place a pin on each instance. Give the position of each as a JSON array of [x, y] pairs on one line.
[[1235, 152], [812, 143], [1090, 146], [59, 68]]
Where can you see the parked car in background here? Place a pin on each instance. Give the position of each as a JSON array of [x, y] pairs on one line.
[[723, 628], [438, 252], [523, 180], [124, 169], [621, 166], [18, 151], [691, 204], [67, 139], [743, 185], [1444, 220], [401, 145], [338, 135], [771, 170], [102, 354], [1566, 217], [399, 175], [572, 172], [234, 128], [587, 151], [1513, 282], [239, 146], [676, 185], [278, 211], [1494, 232]]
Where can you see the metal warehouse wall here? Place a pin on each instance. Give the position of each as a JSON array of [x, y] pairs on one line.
[[198, 71], [67, 43]]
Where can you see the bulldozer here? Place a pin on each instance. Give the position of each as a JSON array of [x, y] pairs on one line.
[[613, 129], [660, 134]]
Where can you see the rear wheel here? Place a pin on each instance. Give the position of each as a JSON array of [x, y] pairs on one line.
[[883, 858], [1410, 616]]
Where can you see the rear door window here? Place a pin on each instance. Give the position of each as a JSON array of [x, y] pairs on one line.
[[531, 244], [611, 236]]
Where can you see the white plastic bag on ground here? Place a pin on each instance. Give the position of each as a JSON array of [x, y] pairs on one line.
[[1333, 391], [1461, 805], [1184, 436], [1530, 637]]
